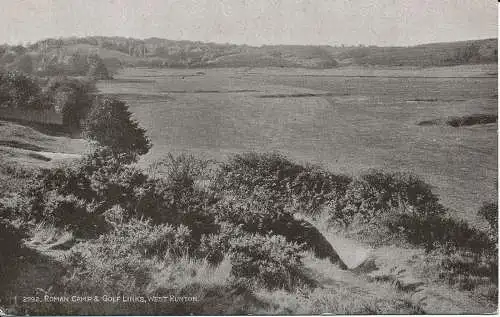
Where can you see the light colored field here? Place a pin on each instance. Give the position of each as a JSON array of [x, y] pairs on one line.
[[353, 124]]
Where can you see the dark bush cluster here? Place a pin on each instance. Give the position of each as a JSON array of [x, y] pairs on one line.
[[268, 259], [117, 262], [256, 218], [18, 90], [403, 206], [376, 192], [110, 123], [304, 189]]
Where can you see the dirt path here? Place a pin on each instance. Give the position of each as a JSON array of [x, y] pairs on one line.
[[388, 272]]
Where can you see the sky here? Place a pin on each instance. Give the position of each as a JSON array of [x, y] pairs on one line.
[[254, 22]]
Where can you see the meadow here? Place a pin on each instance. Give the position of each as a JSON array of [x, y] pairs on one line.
[[348, 120]]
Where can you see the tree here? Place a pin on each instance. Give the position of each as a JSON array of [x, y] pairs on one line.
[[19, 91], [110, 124], [71, 97], [97, 69]]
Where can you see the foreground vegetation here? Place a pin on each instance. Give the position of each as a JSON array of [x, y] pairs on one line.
[[231, 237], [251, 234]]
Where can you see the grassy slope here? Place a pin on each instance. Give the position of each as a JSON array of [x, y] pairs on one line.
[[26, 147], [287, 55]]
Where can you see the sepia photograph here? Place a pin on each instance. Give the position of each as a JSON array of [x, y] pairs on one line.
[[248, 157]]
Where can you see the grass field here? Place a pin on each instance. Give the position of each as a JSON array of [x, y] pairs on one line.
[[348, 119]]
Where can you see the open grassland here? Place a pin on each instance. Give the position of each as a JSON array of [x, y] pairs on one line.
[[347, 119]]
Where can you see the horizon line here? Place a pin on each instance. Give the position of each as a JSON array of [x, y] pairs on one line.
[[25, 43]]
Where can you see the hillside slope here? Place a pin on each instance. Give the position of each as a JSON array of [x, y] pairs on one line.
[[155, 52]]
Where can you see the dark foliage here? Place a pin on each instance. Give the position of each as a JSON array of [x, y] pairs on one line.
[[254, 217], [96, 68], [489, 211], [110, 124], [471, 120], [71, 97], [433, 231], [376, 192], [304, 189], [18, 90], [270, 260]]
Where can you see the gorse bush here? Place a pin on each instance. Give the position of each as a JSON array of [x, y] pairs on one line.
[[149, 239], [489, 211], [377, 192], [75, 197], [78, 196], [254, 217], [182, 170], [268, 259], [303, 189], [440, 231], [120, 261]]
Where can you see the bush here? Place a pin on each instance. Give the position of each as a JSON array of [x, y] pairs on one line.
[[110, 124], [181, 170], [489, 211], [269, 260], [70, 213], [213, 247], [121, 261], [69, 196], [150, 240], [75, 197], [254, 217], [303, 189], [437, 231], [376, 193]]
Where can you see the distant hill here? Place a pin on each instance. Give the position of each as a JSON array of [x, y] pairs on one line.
[[117, 52]]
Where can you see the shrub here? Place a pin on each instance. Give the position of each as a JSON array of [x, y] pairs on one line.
[[489, 211], [433, 231], [90, 187], [213, 247], [377, 192], [254, 217], [269, 260], [121, 261], [75, 197], [303, 189], [149, 239], [181, 170], [70, 213], [110, 124]]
